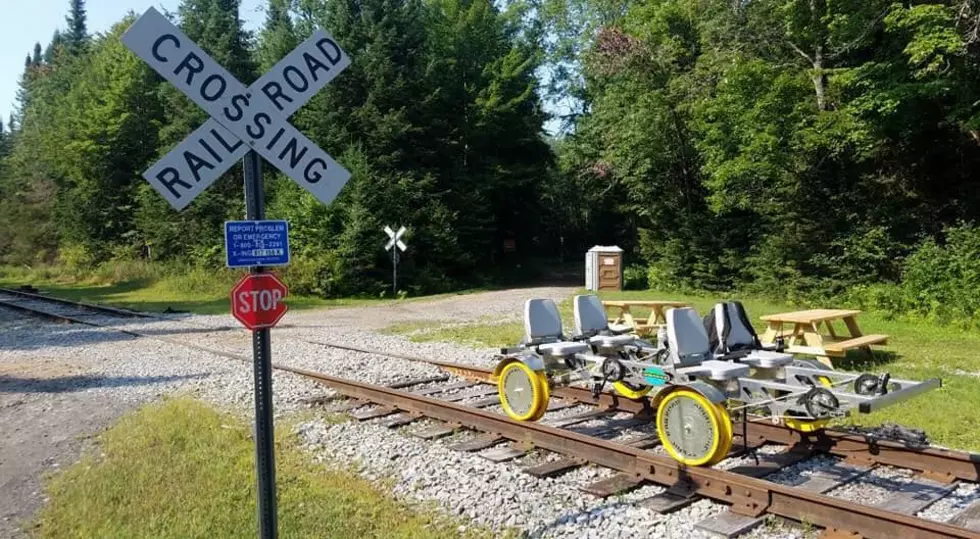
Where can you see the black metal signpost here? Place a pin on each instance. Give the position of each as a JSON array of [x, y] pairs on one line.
[[248, 123]]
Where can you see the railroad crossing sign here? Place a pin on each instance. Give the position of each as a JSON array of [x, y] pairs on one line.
[[242, 119], [245, 123], [256, 301], [396, 238]]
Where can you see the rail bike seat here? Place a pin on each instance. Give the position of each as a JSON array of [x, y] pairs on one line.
[[732, 337], [690, 350], [591, 324], [543, 331]]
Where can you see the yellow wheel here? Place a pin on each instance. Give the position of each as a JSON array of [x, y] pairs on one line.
[[726, 435], [630, 391], [522, 394], [693, 430], [810, 425], [546, 392]]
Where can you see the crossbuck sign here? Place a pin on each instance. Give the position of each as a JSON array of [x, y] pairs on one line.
[[245, 123], [242, 119], [396, 238]]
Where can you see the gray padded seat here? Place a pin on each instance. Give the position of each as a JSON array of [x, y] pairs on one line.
[[767, 359], [612, 341], [562, 348], [542, 328], [590, 319], [691, 351], [740, 337]]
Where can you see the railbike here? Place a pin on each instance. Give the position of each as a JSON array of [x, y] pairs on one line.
[[695, 382]]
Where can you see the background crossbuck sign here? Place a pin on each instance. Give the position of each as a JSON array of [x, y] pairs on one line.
[[242, 118], [396, 238]]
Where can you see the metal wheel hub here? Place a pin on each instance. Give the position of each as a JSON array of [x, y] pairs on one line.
[[519, 390], [689, 427]]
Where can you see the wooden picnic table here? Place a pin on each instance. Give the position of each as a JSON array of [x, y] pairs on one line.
[[806, 336], [642, 326]]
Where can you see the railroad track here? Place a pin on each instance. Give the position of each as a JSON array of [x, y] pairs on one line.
[[615, 433]]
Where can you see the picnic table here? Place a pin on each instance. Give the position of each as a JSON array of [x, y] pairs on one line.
[[642, 326], [806, 336]]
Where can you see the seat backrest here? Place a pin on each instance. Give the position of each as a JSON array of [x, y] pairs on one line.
[[590, 315], [542, 323], [686, 338], [729, 328]]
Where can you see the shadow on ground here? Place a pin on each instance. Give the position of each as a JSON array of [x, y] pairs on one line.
[[68, 384]]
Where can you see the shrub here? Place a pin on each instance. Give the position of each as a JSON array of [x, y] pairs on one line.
[[942, 280], [635, 278]]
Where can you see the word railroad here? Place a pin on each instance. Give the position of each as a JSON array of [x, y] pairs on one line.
[[242, 119]]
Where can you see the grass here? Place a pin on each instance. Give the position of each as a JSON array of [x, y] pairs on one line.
[[157, 287], [181, 469], [915, 350]]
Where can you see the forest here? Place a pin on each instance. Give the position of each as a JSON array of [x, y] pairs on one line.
[[802, 149]]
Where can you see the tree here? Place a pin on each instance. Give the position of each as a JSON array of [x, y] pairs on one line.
[[55, 47], [36, 59], [76, 38], [278, 37]]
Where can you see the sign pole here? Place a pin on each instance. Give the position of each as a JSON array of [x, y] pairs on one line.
[[265, 460], [394, 273]]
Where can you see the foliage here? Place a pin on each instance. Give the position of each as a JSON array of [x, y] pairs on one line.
[[635, 278]]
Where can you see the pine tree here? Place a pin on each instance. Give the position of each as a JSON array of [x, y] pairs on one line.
[[77, 36], [53, 48], [36, 60], [278, 36]]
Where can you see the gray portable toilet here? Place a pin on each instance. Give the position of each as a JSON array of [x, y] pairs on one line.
[[604, 268]]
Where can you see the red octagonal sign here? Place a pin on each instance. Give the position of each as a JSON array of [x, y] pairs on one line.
[[256, 301]]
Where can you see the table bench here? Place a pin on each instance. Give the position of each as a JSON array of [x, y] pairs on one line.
[[641, 326], [806, 337]]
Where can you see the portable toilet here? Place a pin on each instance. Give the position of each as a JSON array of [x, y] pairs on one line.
[[604, 268]]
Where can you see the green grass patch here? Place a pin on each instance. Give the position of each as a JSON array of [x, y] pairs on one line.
[[158, 287], [916, 350], [181, 469]]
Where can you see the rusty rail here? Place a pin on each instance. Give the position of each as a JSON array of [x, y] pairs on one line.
[[747, 495]]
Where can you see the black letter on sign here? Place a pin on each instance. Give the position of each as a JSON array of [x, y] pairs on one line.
[[237, 102], [221, 90], [174, 179], [336, 50], [229, 149], [191, 69], [273, 91], [259, 131], [313, 65], [315, 176], [196, 163], [159, 41], [291, 148], [297, 87]]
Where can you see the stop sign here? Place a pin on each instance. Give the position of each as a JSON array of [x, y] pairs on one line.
[[256, 301]]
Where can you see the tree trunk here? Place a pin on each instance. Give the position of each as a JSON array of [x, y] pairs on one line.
[[819, 78]]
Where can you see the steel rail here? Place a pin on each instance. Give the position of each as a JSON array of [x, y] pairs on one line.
[[746, 495], [73, 303]]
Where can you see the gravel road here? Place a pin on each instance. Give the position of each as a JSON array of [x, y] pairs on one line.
[[62, 384]]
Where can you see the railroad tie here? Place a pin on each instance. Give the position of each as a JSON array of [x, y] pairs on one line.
[[479, 443], [400, 420], [618, 484], [503, 453], [380, 411], [968, 518], [554, 468], [910, 498], [435, 431]]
